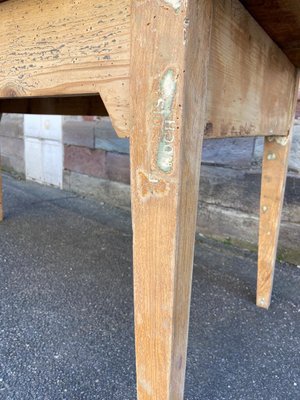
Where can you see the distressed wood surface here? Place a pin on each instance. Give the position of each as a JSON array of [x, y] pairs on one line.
[[251, 82], [281, 20], [67, 47], [274, 171], [79, 47], [168, 107]]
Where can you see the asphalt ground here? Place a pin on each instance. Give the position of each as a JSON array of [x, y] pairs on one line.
[[66, 309]]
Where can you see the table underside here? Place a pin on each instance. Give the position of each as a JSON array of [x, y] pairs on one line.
[[73, 48], [281, 20]]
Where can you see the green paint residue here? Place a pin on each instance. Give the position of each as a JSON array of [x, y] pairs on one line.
[[165, 104], [176, 4]]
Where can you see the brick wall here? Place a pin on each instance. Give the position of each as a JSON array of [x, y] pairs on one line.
[[96, 163], [92, 148]]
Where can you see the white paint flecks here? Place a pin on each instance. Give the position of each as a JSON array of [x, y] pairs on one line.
[[271, 156], [282, 140], [168, 88], [151, 186], [176, 4]]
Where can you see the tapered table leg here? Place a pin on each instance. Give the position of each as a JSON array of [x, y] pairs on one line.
[[274, 171], [170, 47]]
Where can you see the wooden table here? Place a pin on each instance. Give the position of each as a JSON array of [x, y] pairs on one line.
[[168, 72]]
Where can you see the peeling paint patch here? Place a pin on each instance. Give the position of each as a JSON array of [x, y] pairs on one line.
[[281, 140], [185, 29], [271, 156], [176, 4], [150, 186], [237, 130], [164, 108]]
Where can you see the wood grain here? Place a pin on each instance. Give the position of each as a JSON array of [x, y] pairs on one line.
[[168, 106], [251, 82], [68, 47], [274, 170]]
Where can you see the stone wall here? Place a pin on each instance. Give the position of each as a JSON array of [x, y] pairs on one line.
[[229, 185], [96, 163], [12, 143]]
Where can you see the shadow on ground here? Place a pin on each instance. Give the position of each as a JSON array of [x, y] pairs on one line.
[[66, 309]]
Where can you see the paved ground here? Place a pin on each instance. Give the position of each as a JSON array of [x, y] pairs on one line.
[[66, 311]]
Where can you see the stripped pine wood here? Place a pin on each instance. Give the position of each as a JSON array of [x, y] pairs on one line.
[[83, 47], [196, 67], [247, 71], [168, 107], [274, 171], [67, 47]]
